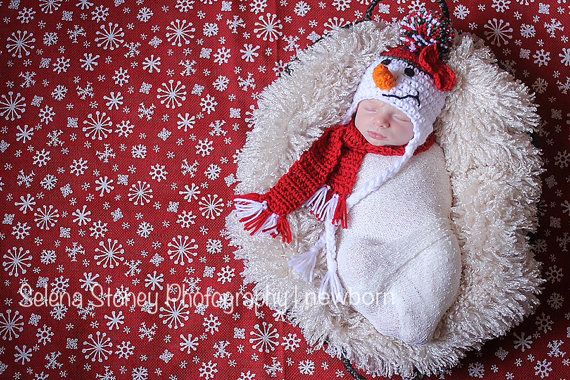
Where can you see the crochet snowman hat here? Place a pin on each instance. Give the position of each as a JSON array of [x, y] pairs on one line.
[[413, 78]]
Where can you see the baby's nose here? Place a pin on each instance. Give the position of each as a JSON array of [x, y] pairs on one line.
[[383, 78]]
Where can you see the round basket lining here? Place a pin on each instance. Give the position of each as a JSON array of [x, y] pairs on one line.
[[494, 172]]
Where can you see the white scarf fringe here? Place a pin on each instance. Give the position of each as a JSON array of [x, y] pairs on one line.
[[317, 202]]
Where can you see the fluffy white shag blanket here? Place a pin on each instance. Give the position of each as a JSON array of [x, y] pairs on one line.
[[494, 168]]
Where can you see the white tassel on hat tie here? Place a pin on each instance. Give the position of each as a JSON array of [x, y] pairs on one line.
[[305, 263], [331, 282]]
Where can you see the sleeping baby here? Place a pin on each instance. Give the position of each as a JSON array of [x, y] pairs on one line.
[[380, 176]]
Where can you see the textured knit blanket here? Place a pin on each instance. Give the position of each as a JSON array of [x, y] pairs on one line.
[[400, 260]]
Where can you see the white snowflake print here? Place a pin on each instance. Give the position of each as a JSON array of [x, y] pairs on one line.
[[476, 370], [265, 337], [208, 370], [114, 100], [20, 43], [211, 324], [44, 334], [12, 106], [204, 147], [174, 313], [50, 6], [341, 5], [190, 192], [24, 134], [172, 95], [98, 347], [543, 368], [222, 55], [334, 23], [302, 8], [461, 12], [184, 5], [151, 64], [498, 32], [522, 342], [307, 367], [110, 253], [211, 206], [186, 122], [214, 246], [26, 203], [61, 65], [186, 219], [565, 55], [208, 104], [121, 76], [188, 343], [41, 158], [21, 230], [124, 128], [527, 31], [46, 217], [104, 185], [89, 61], [89, 281], [23, 354], [140, 193], [183, 247], [290, 342], [501, 6], [180, 32], [268, 27], [46, 114], [249, 52], [81, 216], [11, 325], [78, 167], [98, 229], [110, 36], [158, 172], [541, 57], [97, 127], [226, 274]]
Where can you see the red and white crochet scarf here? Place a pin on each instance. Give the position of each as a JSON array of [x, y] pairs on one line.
[[322, 179]]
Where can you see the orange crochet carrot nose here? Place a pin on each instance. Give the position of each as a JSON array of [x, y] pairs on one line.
[[383, 78]]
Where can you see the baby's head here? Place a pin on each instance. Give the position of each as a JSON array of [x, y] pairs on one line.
[[403, 90]]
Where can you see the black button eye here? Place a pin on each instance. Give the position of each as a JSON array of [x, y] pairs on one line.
[[386, 61], [409, 72]]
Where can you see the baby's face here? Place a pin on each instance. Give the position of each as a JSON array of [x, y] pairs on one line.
[[382, 124]]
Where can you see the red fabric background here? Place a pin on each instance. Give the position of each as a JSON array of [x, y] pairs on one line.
[[106, 181]]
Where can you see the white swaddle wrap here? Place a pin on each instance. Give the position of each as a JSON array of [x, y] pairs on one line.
[[400, 260]]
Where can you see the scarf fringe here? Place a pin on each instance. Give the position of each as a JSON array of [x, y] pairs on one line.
[[340, 213], [252, 210], [317, 202], [335, 206]]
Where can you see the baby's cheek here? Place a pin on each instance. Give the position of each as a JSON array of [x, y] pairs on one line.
[[408, 132]]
